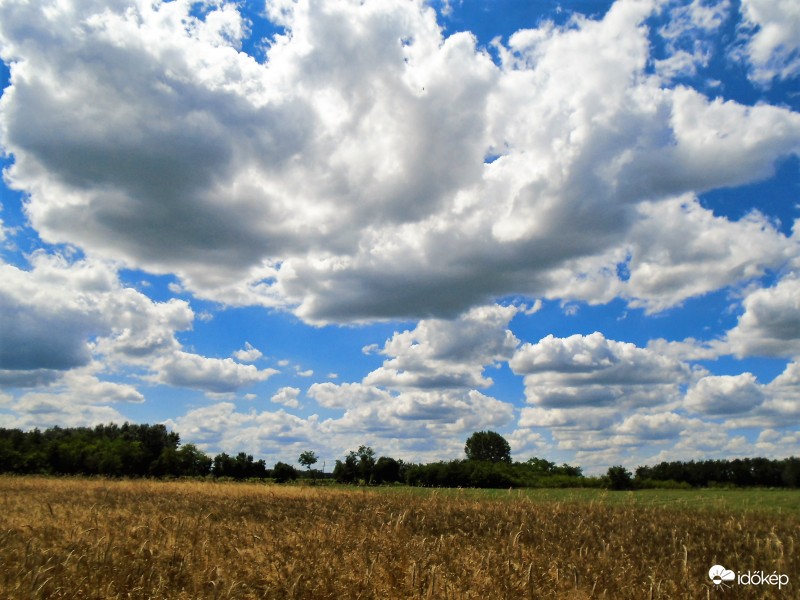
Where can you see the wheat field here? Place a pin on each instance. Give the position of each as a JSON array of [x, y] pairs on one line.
[[87, 538]]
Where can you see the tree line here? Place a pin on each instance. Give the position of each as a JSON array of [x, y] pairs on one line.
[[134, 450], [128, 450]]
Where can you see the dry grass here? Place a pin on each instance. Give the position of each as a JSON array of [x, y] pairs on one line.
[[139, 539]]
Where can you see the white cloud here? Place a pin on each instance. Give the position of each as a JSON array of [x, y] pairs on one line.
[[216, 375], [441, 353], [680, 250], [346, 178], [276, 435], [593, 371], [773, 49], [60, 313], [287, 396], [130, 154], [725, 395], [248, 354], [78, 398], [686, 36], [657, 426], [770, 324], [435, 419]]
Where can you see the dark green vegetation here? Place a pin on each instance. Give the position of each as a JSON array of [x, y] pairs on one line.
[[487, 446], [152, 451]]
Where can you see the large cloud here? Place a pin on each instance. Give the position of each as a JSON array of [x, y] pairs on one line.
[[770, 324], [591, 371], [343, 176], [422, 399], [441, 353], [61, 315]]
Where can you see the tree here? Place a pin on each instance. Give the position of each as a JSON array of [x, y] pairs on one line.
[[387, 470], [489, 446], [346, 471], [619, 478], [282, 472], [366, 462], [193, 461], [307, 459]]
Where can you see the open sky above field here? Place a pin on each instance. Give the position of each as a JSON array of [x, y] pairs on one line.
[[301, 225]]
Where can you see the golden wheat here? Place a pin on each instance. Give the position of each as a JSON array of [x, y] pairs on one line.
[[72, 538]]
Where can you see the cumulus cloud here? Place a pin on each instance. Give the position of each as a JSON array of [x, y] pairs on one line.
[[77, 398], [770, 324], [60, 313], [151, 140], [425, 389], [69, 326], [216, 375], [453, 353], [686, 36], [773, 49], [657, 426], [221, 427], [594, 371], [680, 250], [411, 417], [287, 396], [373, 167], [248, 354], [724, 395]]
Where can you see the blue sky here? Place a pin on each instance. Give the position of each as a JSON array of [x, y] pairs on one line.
[[286, 226]]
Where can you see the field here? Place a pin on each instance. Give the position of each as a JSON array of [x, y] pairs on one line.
[[87, 538]]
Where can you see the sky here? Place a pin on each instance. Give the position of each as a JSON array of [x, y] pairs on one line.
[[302, 225]]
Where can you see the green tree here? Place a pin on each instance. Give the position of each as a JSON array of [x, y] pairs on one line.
[[193, 461], [489, 446], [307, 459], [387, 470], [282, 472], [346, 471], [619, 478], [366, 463]]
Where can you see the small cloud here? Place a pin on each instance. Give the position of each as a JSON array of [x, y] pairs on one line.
[[287, 396], [570, 310], [332, 376], [248, 354], [533, 308], [306, 373]]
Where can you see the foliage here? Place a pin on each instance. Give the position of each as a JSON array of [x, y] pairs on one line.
[[619, 478], [240, 467], [133, 450], [128, 450], [307, 459], [282, 472], [487, 446], [386, 470], [357, 465], [740, 472]]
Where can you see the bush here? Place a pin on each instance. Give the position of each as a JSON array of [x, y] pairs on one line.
[[619, 478], [282, 472]]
